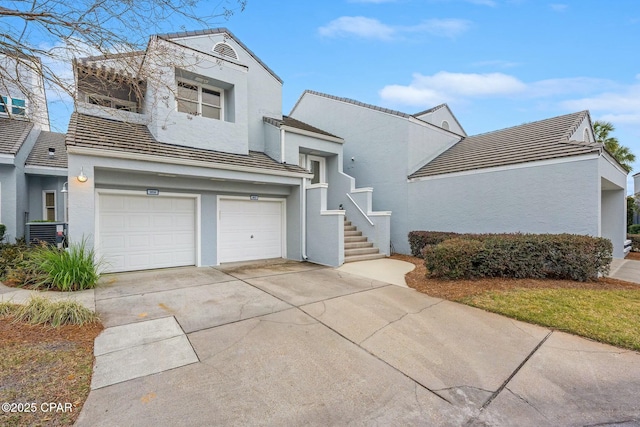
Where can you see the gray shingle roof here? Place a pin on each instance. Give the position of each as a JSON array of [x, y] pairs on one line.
[[291, 122], [182, 34], [530, 142], [112, 135], [429, 110], [354, 102], [39, 155], [13, 133], [369, 106]]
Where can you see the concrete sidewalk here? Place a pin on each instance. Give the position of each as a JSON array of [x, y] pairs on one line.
[[625, 269], [22, 296], [295, 343]]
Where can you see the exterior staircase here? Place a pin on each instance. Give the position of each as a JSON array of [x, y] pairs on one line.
[[356, 246]]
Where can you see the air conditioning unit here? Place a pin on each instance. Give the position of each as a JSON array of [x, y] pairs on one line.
[[54, 233]]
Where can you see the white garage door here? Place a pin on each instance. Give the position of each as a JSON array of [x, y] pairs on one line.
[[144, 232], [249, 230]]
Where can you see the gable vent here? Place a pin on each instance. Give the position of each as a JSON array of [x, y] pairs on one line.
[[225, 50]]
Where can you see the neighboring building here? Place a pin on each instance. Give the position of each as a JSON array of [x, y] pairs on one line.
[[32, 159], [541, 177], [186, 159]]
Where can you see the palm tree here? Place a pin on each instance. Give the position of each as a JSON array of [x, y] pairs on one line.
[[622, 154]]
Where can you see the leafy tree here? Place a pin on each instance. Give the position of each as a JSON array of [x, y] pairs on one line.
[[622, 154], [45, 35], [632, 207]]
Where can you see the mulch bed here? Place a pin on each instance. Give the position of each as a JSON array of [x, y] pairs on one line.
[[40, 364], [456, 290], [633, 256]]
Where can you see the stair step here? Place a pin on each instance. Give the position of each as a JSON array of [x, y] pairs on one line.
[[363, 257], [350, 228], [352, 239], [361, 251], [352, 233], [347, 222], [356, 245]]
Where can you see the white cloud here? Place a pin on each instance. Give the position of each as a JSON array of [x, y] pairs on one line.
[[619, 106], [357, 26], [446, 87], [369, 28]]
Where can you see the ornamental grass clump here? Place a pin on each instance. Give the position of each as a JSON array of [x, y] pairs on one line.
[[40, 310], [73, 269]]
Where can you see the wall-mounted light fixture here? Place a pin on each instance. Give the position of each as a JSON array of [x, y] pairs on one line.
[[82, 177], [65, 188]]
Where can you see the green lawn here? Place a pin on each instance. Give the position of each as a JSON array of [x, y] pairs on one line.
[[609, 316]]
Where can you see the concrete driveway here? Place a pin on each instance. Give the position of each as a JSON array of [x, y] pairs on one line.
[[298, 344]]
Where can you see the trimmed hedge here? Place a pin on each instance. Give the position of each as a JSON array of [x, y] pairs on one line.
[[635, 242], [555, 256], [633, 229]]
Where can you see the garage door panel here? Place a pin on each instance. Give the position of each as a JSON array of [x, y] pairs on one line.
[[144, 232], [249, 230]]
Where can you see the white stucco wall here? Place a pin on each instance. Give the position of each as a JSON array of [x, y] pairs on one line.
[[436, 118], [543, 198]]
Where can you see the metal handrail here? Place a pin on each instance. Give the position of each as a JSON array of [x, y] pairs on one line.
[[358, 207]]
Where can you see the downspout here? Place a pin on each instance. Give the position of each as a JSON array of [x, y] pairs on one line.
[[304, 219], [282, 157]]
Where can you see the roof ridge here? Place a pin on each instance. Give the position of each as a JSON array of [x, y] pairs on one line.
[[219, 30], [535, 122], [430, 110], [355, 102]]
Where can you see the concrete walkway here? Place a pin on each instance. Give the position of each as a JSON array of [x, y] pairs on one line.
[[22, 296], [625, 269], [385, 269], [298, 344]]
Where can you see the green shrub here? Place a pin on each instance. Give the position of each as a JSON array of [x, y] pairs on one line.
[[418, 240], [634, 229], [56, 313], [72, 269], [453, 259], [12, 256], [3, 230], [559, 256]]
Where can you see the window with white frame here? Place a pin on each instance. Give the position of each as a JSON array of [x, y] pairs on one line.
[[199, 100], [49, 205], [110, 102], [585, 136], [16, 106], [445, 125]]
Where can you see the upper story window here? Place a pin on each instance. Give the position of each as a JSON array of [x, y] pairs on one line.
[[445, 125], [585, 136], [16, 106], [109, 89], [107, 101], [200, 100]]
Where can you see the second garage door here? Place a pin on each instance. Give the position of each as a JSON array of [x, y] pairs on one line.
[[250, 229], [145, 232]]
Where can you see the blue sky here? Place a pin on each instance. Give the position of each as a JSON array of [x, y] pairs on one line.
[[497, 63]]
